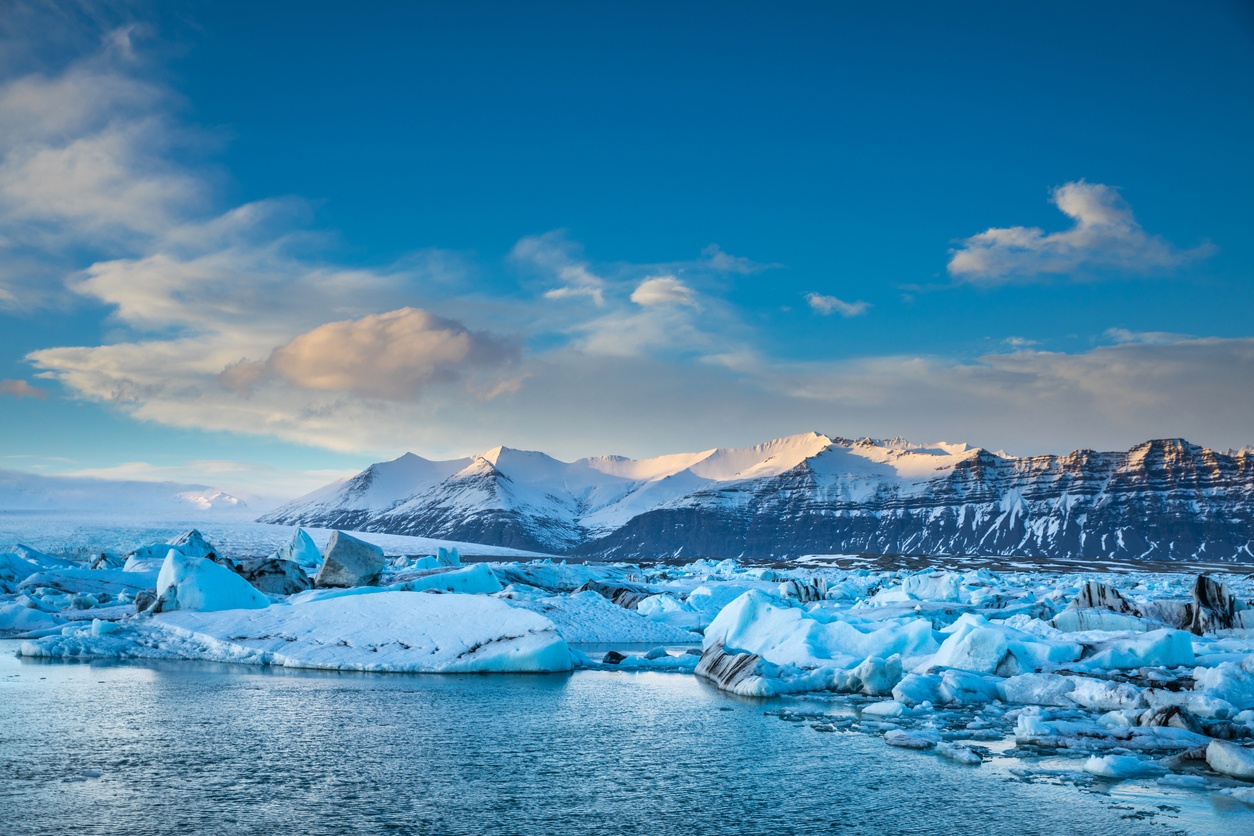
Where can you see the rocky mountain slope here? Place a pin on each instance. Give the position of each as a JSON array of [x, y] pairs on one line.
[[811, 494]]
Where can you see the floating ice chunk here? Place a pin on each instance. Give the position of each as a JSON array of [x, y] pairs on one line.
[[147, 558], [1078, 621], [1030, 724], [888, 708], [545, 574], [661, 605], [195, 583], [382, 632], [973, 647], [1122, 766], [14, 569], [193, 544], [1160, 648], [683, 662], [109, 583], [42, 560], [1228, 681], [932, 586], [1203, 705], [963, 687], [786, 634], [1105, 695], [448, 557], [905, 740], [588, 618], [710, 599], [475, 579], [17, 619], [1186, 782], [958, 754], [301, 550], [1037, 689], [385, 631], [1243, 794], [918, 688], [878, 676], [1230, 759]]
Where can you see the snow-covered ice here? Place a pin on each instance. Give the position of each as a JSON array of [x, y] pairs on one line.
[[382, 632]]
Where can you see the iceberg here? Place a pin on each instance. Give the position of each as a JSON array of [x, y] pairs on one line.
[[411, 632], [196, 583], [301, 550]]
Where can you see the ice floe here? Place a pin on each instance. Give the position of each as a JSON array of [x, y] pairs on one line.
[[1129, 677]]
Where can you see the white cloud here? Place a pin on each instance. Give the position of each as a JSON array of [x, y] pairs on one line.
[[663, 290], [827, 305], [390, 355], [357, 359], [1105, 237]]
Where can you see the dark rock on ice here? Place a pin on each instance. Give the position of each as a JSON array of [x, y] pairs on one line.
[[613, 657], [1227, 730], [349, 562], [226, 562], [805, 591], [1171, 716], [625, 595], [108, 560], [725, 669], [273, 576], [1213, 607], [1094, 595], [145, 600]]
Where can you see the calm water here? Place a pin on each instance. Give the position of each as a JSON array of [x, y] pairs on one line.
[[194, 748]]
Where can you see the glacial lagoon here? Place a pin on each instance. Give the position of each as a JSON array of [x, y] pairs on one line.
[[168, 747]]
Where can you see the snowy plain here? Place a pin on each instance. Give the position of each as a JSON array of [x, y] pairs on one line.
[[1115, 682]]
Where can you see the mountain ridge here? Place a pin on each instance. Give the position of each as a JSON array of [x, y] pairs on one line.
[[810, 493]]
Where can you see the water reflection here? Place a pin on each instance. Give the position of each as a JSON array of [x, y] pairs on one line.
[[213, 748]]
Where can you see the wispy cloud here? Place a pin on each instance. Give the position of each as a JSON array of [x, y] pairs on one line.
[[21, 389], [827, 305], [370, 359], [1123, 335], [1104, 238], [555, 255]]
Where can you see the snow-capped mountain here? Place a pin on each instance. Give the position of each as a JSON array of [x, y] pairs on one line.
[[35, 492], [808, 494]]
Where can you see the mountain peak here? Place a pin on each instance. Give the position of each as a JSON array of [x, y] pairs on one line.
[[811, 493]]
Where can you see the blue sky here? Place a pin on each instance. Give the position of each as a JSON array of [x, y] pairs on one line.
[[256, 245]]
